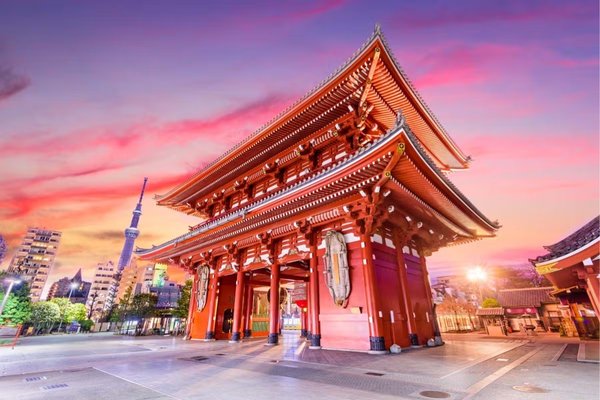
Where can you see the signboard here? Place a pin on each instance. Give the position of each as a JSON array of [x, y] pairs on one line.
[[298, 292], [546, 269]]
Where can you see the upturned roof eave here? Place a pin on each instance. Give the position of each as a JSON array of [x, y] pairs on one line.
[[478, 216], [542, 261], [440, 131], [556, 252]]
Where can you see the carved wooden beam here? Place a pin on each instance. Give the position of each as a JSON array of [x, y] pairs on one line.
[[240, 184], [217, 196], [206, 257], [306, 230], [369, 81], [186, 263], [275, 170], [378, 194], [346, 133]]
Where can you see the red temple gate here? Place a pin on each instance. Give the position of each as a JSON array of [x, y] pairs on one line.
[[346, 191]]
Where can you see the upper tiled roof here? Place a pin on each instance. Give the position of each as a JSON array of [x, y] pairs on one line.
[[574, 241], [288, 126], [527, 297]]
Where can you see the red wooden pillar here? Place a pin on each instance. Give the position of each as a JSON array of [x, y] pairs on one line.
[[593, 290], [303, 322], [273, 338], [376, 339], [313, 283], [192, 308], [237, 307], [213, 291], [430, 314], [425, 275], [408, 309], [248, 310], [308, 311]]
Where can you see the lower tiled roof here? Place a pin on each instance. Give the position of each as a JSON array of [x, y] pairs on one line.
[[526, 297]]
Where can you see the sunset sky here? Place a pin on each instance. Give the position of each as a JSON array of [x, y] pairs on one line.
[[95, 96]]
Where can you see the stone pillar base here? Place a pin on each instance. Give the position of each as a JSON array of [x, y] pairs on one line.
[[272, 339], [414, 340], [235, 337], [247, 333], [315, 341], [377, 345], [210, 335], [303, 333]]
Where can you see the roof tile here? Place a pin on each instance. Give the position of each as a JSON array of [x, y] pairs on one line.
[[527, 297]]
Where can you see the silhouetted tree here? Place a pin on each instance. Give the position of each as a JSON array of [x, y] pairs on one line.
[[183, 305], [18, 305], [143, 305], [44, 314], [490, 303]]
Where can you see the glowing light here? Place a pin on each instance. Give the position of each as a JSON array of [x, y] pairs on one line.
[[476, 274]]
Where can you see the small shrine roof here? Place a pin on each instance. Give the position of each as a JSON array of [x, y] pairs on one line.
[[578, 239], [491, 311], [526, 297]]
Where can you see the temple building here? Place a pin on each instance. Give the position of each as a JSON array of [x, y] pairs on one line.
[[572, 266], [347, 192]]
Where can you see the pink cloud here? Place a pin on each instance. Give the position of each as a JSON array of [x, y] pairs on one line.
[[11, 83], [452, 63], [582, 150], [20, 205], [144, 136], [486, 13], [308, 11], [49, 191], [460, 64], [516, 255]]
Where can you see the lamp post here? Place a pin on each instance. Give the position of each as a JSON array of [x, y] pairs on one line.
[[72, 286], [11, 283]]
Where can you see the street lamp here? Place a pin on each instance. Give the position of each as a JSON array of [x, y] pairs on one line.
[[11, 283], [72, 286]]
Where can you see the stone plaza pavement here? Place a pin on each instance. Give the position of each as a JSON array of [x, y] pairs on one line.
[[106, 366]]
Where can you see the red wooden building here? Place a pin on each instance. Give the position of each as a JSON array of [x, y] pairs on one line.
[[347, 191], [572, 265]]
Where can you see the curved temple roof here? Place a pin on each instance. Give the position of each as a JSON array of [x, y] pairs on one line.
[[391, 91], [577, 240], [478, 224]]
